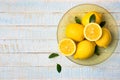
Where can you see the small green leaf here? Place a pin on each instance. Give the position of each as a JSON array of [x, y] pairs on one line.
[[92, 18], [102, 23], [53, 55], [77, 20], [59, 68], [97, 50]]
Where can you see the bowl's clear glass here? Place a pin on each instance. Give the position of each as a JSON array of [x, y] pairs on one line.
[[79, 11]]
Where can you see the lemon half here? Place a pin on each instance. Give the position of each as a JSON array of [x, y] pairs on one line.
[[92, 32], [67, 47]]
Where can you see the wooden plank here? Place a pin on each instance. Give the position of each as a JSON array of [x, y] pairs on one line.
[[42, 60], [43, 45], [50, 5], [29, 18], [16, 60], [38, 18], [28, 32], [68, 73]]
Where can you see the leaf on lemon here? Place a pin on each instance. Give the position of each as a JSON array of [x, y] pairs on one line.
[[92, 18], [53, 55], [102, 23], [77, 20], [97, 50], [59, 68]]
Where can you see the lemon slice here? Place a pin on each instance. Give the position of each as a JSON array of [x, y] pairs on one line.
[[67, 47], [92, 32]]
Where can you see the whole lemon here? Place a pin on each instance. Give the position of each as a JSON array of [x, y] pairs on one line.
[[105, 39], [86, 17], [85, 49], [75, 31]]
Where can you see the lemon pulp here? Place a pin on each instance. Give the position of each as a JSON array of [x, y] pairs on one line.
[[67, 46], [92, 32]]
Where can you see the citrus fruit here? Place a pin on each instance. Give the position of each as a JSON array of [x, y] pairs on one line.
[[85, 49], [92, 32], [86, 17], [105, 39], [67, 46], [75, 31]]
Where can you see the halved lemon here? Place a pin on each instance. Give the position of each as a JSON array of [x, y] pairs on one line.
[[92, 32], [67, 47]]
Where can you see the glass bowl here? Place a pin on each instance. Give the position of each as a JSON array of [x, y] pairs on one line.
[[79, 11]]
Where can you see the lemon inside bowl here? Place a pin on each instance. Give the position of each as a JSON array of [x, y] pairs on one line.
[[80, 11]]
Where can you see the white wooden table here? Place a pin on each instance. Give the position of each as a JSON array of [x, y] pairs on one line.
[[28, 35]]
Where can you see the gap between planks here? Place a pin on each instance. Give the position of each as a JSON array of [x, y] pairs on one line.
[[13, 60]]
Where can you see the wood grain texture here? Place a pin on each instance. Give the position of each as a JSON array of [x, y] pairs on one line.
[[41, 60], [31, 32], [52, 5], [28, 32], [34, 18], [17, 46], [28, 35], [25, 46], [43, 73]]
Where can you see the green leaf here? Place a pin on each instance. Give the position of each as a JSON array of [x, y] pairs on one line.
[[102, 23], [97, 50], [92, 18], [77, 20], [53, 55], [59, 68]]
